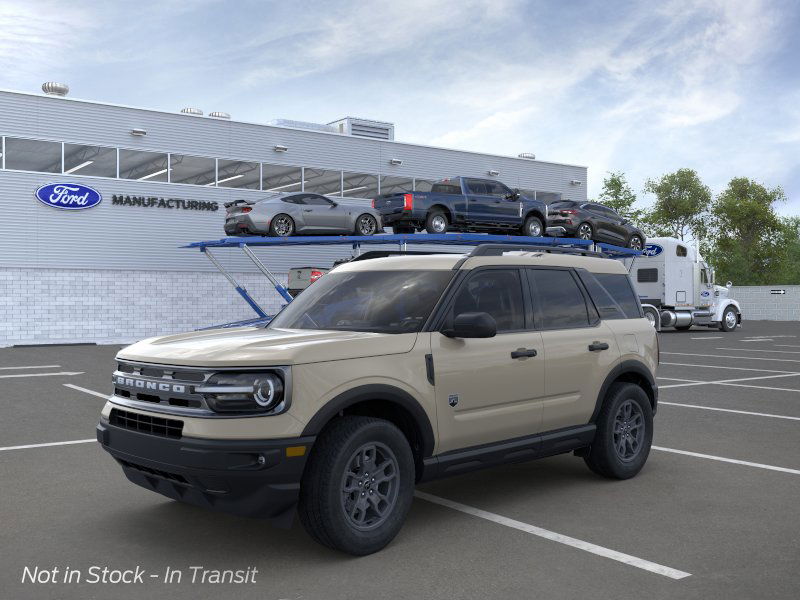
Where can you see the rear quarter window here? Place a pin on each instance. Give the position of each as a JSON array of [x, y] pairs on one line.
[[612, 294]]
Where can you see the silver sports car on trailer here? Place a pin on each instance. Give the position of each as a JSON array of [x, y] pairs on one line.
[[300, 213]]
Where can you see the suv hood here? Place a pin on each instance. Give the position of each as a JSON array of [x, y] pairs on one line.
[[256, 346]]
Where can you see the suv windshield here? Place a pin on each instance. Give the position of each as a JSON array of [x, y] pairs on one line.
[[376, 301]]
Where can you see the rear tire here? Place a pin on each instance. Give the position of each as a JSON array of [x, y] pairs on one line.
[[436, 222], [366, 225], [281, 226], [730, 321], [341, 505], [584, 232], [624, 433], [533, 227]]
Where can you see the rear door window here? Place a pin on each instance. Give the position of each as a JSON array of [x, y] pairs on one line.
[[558, 299], [477, 187]]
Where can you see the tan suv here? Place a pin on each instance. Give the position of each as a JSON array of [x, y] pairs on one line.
[[385, 373]]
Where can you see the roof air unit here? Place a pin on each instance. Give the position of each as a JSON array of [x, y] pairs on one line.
[[51, 88], [219, 115], [192, 111], [527, 155], [376, 130]]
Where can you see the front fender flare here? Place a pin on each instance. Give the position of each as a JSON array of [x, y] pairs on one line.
[[375, 392]]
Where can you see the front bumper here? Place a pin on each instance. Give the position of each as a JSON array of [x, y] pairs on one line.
[[252, 478]]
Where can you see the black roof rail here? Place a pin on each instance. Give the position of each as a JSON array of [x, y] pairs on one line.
[[499, 249], [385, 253]]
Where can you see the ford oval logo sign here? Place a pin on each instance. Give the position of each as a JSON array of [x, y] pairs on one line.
[[68, 196], [652, 250]]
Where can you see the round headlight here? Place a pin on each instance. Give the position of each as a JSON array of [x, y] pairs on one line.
[[268, 391]]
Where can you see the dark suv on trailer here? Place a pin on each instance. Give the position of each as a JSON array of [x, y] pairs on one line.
[[593, 221]]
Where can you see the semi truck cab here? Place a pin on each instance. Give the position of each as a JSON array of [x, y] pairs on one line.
[[677, 288]]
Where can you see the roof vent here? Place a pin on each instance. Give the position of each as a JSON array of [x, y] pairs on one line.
[[192, 111], [51, 88], [219, 115], [527, 155], [302, 125]]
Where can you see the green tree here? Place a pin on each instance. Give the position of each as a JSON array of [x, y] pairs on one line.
[[681, 206], [750, 243], [617, 194]]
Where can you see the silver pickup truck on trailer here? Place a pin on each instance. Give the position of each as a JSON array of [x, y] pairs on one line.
[[676, 288]]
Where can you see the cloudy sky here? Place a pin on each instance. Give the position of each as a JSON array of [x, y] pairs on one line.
[[641, 87]]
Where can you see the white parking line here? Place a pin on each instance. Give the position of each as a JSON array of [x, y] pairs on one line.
[[724, 356], [723, 367], [759, 340], [729, 410], [727, 460], [48, 444], [82, 389], [68, 373], [761, 387], [759, 350], [691, 382], [633, 561], [31, 367]]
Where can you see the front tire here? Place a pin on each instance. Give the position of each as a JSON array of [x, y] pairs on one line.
[[584, 232], [281, 226], [358, 485], [436, 222], [533, 227], [624, 433], [729, 320], [366, 224]]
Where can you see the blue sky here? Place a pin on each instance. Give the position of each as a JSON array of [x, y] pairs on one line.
[[640, 87]]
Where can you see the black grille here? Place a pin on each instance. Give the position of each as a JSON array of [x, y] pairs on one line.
[[157, 472], [170, 428], [647, 275]]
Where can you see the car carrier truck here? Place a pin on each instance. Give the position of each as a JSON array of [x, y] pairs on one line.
[[676, 288]]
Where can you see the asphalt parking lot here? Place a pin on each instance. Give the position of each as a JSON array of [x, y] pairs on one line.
[[712, 515]]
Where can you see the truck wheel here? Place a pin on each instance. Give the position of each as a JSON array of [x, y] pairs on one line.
[[436, 222], [358, 485], [653, 316], [624, 433], [533, 227], [281, 226], [729, 320], [635, 243], [366, 225]]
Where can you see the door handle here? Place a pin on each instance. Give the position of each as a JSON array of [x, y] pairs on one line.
[[308, 210], [597, 346], [523, 353]]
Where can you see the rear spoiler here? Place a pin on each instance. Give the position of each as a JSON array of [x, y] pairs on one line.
[[239, 202]]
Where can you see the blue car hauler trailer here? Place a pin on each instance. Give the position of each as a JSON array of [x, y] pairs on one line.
[[507, 243]]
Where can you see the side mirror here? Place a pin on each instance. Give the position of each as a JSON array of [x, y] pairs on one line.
[[729, 285], [472, 325], [334, 204]]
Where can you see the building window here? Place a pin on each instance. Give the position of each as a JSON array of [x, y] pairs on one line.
[[396, 185], [423, 185], [97, 161], [359, 185], [238, 174], [33, 155], [321, 181], [194, 170], [144, 166], [280, 178]]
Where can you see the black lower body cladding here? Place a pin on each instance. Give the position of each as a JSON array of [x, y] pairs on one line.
[[251, 478]]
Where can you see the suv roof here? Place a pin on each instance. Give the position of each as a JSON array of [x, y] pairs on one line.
[[450, 261]]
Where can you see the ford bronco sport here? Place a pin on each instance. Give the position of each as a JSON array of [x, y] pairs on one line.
[[385, 373]]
